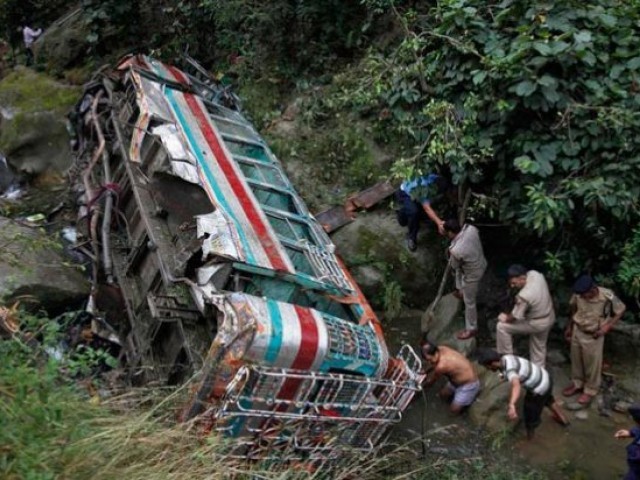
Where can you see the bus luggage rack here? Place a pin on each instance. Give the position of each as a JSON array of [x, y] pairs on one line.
[[304, 413]]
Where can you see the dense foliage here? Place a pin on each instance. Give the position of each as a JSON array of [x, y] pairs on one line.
[[532, 104]]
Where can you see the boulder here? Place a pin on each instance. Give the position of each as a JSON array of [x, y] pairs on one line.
[[490, 408], [623, 339], [32, 265], [33, 134], [445, 322], [375, 240]]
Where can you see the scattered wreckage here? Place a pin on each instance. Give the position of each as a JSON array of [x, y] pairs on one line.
[[206, 261]]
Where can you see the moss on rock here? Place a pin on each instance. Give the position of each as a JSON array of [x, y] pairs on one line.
[[33, 134], [27, 91]]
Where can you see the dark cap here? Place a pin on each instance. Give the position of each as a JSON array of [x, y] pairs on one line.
[[583, 284], [516, 270], [634, 411]]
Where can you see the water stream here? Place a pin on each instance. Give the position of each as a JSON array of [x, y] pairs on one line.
[[584, 450], [9, 182]]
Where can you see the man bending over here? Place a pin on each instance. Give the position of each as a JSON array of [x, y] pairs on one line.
[[536, 381], [462, 386]]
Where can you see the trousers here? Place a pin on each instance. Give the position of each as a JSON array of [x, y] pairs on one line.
[[410, 214], [469, 293], [586, 361], [538, 331]]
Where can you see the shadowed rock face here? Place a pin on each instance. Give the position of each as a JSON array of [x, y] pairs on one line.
[[64, 43], [373, 246], [33, 265]]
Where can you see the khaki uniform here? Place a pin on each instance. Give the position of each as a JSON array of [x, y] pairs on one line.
[[533, 315], [586, 351], [469, 264]]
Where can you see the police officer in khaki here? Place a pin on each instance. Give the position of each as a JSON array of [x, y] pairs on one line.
[[594, 312], [532, 314], [469, 264]]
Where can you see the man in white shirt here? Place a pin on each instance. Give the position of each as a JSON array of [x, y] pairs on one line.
[[29, 36], [524, 375]]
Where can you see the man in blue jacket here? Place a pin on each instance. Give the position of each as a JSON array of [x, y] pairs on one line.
[[415, 198]]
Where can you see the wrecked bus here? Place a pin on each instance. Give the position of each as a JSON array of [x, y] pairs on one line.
[[211, 268]]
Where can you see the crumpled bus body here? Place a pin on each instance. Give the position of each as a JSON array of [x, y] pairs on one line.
[[211, 268]]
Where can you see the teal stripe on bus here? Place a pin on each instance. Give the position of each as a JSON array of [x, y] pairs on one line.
[[275, 342], [196, 150]]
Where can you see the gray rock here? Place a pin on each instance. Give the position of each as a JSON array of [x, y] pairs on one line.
[[445, 322], [573, 406], [34, 137], [490, 408], [582, 415], [623, 339], [368, 276], [621, 406], [377, 235], [32, 265]]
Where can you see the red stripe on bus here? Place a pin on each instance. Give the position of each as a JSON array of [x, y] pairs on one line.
[[245, 198], [309, 345]]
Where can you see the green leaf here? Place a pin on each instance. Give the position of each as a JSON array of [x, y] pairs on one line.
[[525, 164], [525, 88], [589, 58], [615, 71], [558, 47], [550, 222], [548, 81], [543, 48], [583, 36], [550, 94], [608, 20], [479, 77], [634, 63]]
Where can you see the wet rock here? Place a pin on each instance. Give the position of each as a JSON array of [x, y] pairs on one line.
[[369, 277], [582, 415], [573, 406], [490, 408], [32, 267], [445, 322], [621, 406], [623, 339], [8, 180]]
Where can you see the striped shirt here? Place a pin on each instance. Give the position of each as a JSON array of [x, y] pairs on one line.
[[532, 377]]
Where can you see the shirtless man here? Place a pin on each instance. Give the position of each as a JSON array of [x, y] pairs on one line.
[[463, 384]]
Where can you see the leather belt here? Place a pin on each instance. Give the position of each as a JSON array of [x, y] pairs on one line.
[[587, 331]]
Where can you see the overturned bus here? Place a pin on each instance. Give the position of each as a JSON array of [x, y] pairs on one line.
[[211, 268]]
